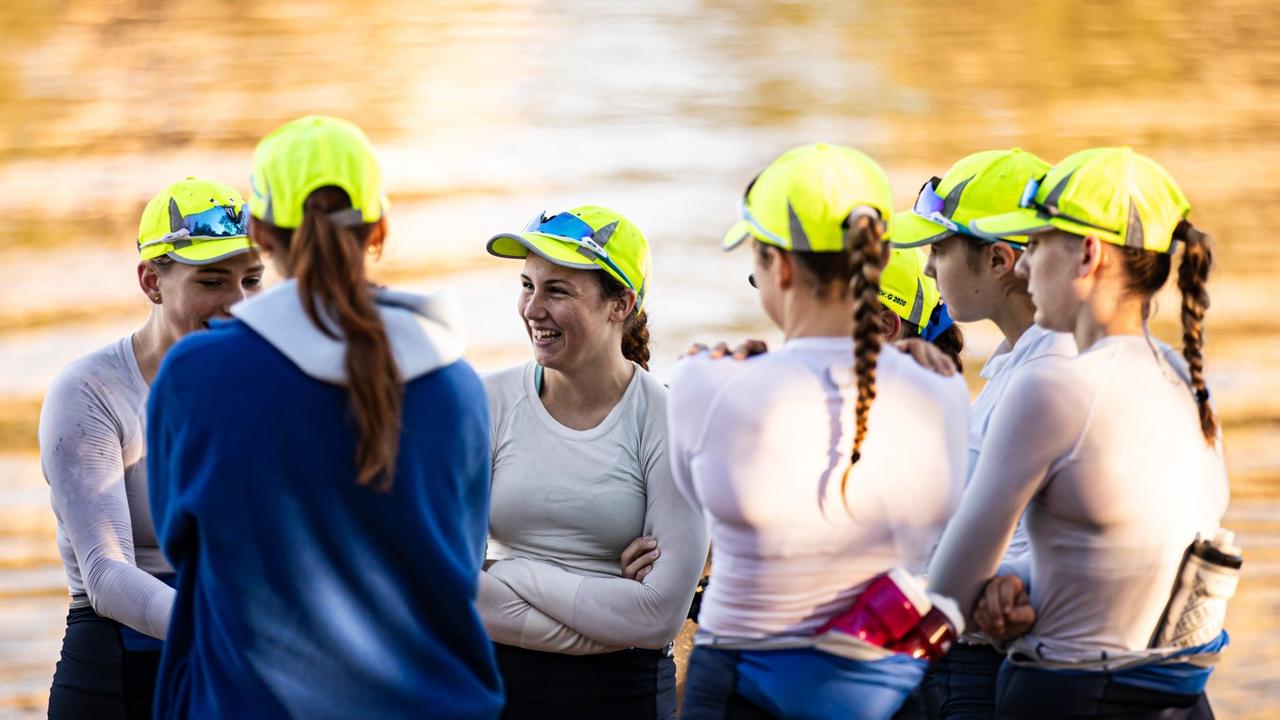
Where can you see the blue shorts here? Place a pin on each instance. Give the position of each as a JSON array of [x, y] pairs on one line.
[[798, 684]]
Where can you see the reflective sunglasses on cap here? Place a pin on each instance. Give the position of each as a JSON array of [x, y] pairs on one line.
[[571, 228], [929, 205], [1028, 202], [216, 223]]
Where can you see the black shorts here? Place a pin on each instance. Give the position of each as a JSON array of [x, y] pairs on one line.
[[1024, 693], [626, 685], [97, 676]]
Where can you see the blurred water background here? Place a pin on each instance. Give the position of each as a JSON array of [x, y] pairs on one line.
[[486, 112]]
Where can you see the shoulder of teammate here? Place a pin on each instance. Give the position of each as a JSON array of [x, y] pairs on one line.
[[896, 366], [700, 385], [502, 387], [1047, 342], [1048, 390], [503, 390], [82, 390]]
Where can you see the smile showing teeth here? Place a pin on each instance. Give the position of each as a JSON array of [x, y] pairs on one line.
[[545, 334]]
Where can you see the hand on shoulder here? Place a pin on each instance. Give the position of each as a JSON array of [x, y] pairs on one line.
[[746, 349]]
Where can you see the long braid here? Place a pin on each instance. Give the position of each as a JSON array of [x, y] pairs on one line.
[[1193, 273], [862, 237]]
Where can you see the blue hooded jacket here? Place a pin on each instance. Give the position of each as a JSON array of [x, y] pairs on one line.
[[301, 593]]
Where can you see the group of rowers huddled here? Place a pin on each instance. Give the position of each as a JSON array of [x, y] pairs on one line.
[[303, 502]]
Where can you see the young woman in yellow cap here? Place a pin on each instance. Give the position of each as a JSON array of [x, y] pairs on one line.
[[825, 469], [1114, 456], [976, 275], [319, 472], [913, 307], [196, 261], [580, 468]]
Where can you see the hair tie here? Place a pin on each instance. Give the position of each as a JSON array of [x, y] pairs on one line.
[[347, 217], [1202, 395]]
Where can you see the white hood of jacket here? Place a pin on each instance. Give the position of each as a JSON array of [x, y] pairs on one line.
[[425, 331]]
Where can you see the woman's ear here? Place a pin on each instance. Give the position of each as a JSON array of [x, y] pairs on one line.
[[149, 281], [890, 324], [1090, 259], [377, 236], [260, 237], [623, 307], [784, 267], [1002, 259]]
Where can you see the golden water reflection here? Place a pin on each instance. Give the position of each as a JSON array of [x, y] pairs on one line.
[[486, 112]]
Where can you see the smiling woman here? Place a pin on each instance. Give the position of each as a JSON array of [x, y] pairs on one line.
[[583, 502], [196, 261]]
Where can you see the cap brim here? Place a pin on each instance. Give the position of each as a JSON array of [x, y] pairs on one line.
[[1021, 222], [207, 252], [737, 234], [910, 230], [547, 247]]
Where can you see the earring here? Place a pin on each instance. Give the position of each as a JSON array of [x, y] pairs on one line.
[[156, 298]]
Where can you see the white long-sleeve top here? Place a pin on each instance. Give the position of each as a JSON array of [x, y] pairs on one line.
[[1105, 454], [761, 445], [998, 371], [565, 503], [93, 453]]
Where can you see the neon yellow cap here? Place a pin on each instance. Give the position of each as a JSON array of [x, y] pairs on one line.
[[905, 289], [194, 221], [309, 153], [1114, 194], [802, 200], [980, 185], [589, 237]]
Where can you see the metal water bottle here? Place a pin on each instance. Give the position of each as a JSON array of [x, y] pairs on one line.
[[1206, 580]]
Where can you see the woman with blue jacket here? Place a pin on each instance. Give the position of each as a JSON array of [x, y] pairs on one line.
[[319, 472]]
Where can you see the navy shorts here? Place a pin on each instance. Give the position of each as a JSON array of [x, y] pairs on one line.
[[1035, 694], [627, 685], [97, 675]]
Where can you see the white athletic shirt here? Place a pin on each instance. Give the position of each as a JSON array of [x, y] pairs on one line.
[[761, 445], [1035, 342], [93, 453], [1105, 454], [565, 503]]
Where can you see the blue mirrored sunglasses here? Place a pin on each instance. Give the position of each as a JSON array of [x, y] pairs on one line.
[[930, 205], [573, 229], [216, 223]]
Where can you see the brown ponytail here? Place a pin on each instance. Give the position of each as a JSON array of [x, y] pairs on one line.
[[635, 333], [1193, 272], [327, 259], [862, 237]]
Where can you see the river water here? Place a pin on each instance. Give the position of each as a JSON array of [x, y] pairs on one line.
[[488, 112]]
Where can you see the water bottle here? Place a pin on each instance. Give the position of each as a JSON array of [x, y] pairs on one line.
[[931, 638], [1206, 580], [885, 611]]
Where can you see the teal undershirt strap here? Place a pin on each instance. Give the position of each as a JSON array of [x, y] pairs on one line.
[[537, 379]]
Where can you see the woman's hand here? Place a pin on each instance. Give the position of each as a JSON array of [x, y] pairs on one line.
[[1004, 610], [744, 350], [638, 558], [927, 355]]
